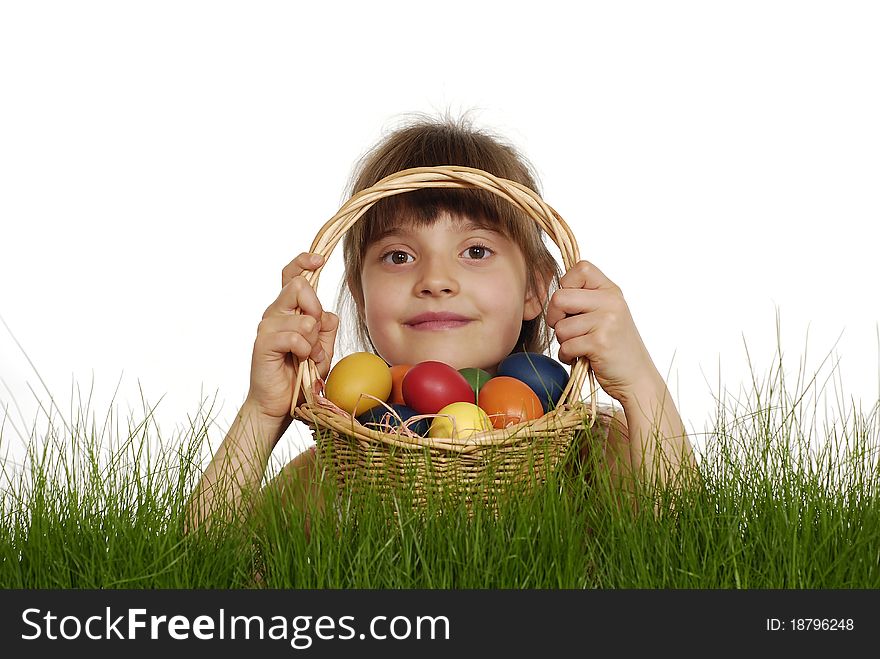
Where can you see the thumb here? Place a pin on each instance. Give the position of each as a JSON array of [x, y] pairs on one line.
[[327, 340], [329, 326]]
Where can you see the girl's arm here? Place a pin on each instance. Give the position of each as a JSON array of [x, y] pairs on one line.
[[649, 439], [658, 441], [234, 476], [591, 319], [300, 484], [294, 328]]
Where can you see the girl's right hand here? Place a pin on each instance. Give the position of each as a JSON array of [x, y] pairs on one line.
[[285, 338]]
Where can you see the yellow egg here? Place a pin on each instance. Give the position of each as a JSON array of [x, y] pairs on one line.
[[469, 420], [358, 373]]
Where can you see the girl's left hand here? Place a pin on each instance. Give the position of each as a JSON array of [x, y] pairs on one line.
[[592, 320]]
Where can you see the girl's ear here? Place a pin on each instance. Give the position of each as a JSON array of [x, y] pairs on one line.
[[536, 297]]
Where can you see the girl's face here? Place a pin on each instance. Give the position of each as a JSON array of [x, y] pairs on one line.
[[451, 292]]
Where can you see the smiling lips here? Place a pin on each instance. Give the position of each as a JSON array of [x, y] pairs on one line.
[[437, 321]]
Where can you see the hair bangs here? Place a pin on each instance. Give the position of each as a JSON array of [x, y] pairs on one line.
[[422, 208]]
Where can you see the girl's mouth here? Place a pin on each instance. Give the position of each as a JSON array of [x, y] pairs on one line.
[[437, 321]]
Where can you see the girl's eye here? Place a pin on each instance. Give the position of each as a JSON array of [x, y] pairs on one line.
[[396, 257], [478, 252]]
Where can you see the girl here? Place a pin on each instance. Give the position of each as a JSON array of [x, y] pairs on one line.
[[455, 275]]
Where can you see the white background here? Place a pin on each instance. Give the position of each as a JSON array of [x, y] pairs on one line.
[[160, 162]]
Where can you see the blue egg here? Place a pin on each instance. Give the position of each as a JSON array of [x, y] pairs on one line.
[[546, 376], [379, 418]]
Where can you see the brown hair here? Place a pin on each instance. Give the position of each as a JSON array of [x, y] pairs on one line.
[[424, 141]]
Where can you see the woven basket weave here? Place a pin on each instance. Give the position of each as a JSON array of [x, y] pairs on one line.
[[481, 465]]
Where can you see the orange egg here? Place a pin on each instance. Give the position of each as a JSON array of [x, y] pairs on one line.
[[509, 401], [397, 373]]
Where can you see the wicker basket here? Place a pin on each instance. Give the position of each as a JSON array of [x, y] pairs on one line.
[[395, 460]]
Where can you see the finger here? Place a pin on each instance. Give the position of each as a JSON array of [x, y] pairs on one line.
[[574, 326], [303, 262], [306, 326], [297, 294], [327, 335], [317, 354], [329, 323], [584, 274], [320, 336], [571, 301], [579, 346], [281, 343], [310, 346], [307, 299]]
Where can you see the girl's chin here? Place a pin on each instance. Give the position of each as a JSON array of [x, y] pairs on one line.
[[454, 359], [457, 353]]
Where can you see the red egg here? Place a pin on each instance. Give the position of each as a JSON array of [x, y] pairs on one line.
[[509, 401], [429, 386], [397, 374]]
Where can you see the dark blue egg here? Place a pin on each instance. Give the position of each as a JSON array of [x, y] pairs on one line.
[[546, 376], [379, 418]]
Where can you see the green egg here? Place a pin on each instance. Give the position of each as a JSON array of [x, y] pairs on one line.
[[476, 377]]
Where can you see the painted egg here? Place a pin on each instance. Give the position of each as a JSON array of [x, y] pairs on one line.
[[460, 421], [546, 376], [476, 377], [379, 418], [356, 374], [397, 373], [508, 401], [430, 385]]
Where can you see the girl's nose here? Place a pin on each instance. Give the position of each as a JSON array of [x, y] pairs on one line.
[[435, 278]]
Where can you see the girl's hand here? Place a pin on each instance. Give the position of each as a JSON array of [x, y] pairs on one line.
[[285, 338], [592, 320]]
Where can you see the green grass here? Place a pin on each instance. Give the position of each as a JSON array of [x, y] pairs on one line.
[[780, 504]]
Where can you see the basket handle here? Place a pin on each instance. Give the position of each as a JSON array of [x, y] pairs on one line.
[[447, 176]]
